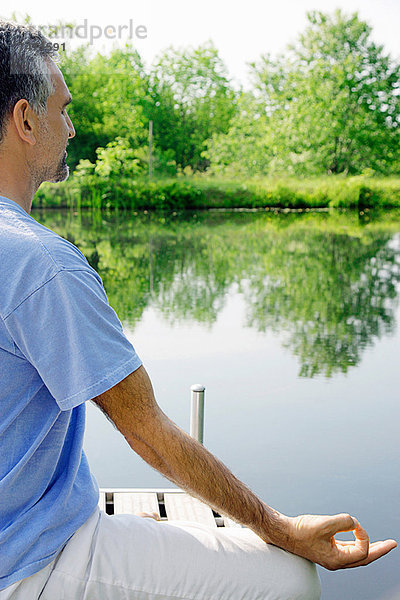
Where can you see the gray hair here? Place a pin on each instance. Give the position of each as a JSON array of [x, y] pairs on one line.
[[24, 69]]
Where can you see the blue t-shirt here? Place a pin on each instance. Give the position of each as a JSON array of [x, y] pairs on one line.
[[60, 344]]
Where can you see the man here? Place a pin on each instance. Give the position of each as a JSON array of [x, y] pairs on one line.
[[61, 344]]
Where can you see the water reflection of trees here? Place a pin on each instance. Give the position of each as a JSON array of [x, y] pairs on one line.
[[332, 294], [328, 283]]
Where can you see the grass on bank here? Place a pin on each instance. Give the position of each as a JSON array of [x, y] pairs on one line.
[[202, 192]]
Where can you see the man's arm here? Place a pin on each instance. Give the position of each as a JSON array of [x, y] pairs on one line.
[[161, 443]]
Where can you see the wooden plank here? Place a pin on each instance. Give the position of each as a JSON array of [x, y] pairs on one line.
[[182, 507], [102, 501], [141, 490], [136, 502], [179, 506]]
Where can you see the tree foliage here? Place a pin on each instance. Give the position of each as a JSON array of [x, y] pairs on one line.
[[193, 99], [109, 98], [331, 104], [186, 93]]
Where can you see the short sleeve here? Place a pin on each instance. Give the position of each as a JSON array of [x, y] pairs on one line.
[[68, 331]]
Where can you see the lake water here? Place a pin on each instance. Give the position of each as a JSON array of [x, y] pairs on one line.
[[290, 320]]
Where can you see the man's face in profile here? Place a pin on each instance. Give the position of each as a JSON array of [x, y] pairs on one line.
[[55, 129]]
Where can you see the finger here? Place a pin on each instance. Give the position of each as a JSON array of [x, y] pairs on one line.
[[376, 551], [146, 515], [348, 554], [379, 549], [344, 542], [362, 538], [359, 551]]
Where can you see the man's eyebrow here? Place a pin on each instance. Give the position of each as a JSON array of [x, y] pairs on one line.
[[67, 102]]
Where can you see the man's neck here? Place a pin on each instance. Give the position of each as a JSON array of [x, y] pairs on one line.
[[16, 181], [19, 190]]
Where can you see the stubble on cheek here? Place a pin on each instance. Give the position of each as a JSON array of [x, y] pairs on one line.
[[45, 167]]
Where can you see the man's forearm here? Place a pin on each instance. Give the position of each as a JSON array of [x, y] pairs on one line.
[[161, 443], [192, 467]]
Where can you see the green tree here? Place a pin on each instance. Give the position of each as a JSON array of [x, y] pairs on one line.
[[110, 94], [192, 99], [336, 97], [331, 104], [247, 148]]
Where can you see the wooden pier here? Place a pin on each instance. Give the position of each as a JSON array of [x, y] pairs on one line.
[[170, 504]]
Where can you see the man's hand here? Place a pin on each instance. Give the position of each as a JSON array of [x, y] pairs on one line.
[[313, 537], [151, 515], [163, 445]]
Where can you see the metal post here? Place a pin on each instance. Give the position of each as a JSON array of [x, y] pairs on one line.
[[150, 150], [197, 412]]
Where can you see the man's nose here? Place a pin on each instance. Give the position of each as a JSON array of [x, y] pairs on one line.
[[71, 129]]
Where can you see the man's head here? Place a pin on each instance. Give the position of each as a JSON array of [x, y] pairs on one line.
[[34, 125]]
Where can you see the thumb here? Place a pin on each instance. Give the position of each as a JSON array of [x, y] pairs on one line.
[[341, 522]]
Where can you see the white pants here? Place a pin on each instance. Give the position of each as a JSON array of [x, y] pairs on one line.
[[125, 557]]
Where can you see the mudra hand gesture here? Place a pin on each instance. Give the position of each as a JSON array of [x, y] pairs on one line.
[[313, 537]]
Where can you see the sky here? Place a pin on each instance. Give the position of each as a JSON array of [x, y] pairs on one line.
[[241, 31]]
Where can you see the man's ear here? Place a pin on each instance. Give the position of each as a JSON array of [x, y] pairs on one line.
[[25, 121]]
